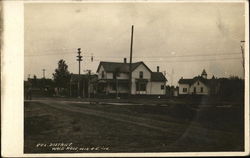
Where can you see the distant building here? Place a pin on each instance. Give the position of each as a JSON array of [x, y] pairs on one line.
[[199, 85], [176, 92], [87, 85], [39, 86], [172, 91], [113, 78]]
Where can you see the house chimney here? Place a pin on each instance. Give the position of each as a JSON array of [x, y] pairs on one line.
[[158, 68], [125, 60]]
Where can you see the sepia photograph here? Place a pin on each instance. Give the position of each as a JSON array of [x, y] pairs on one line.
[[134, 77]]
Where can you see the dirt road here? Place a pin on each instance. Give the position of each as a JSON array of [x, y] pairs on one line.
[[121, 128]]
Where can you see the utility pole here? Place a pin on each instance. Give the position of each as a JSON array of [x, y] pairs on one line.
[[243, 57], [44, 73], [172, 76], [79, 59], [130, 62], [89, 78], [242, 51]]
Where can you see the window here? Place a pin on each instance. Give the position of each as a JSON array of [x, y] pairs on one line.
[[198, 83], [141, 74], [201, 89], [194, 89], [184, 89], [102, 74], [162, 86]]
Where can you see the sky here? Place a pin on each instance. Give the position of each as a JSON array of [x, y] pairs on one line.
[[181, 38]]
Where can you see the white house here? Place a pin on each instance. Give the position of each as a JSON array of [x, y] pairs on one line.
[[198, 85], [113, 77]]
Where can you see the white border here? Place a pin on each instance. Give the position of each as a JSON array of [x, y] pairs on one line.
[[12, 79], [12, 71]]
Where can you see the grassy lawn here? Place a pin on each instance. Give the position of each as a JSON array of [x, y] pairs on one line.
[[131, 128]]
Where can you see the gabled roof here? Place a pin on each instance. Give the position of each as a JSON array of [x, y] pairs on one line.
[[201, 79], [198, 78], [158, 77], [185, 81], [119, 66], [124, 67], [193, 80]]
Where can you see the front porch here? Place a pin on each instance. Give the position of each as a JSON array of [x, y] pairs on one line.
[[113, 86], [141, 86]]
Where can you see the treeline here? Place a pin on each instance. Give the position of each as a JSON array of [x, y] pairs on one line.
[[231, 88]]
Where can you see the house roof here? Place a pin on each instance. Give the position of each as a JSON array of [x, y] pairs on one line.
[[158, 77], [193, 80], [198, 78], [185, 81], [124, 67], [119, 66]]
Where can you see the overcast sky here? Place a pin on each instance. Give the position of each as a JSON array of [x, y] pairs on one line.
[[181, 38]]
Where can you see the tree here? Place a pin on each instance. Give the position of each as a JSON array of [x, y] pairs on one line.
[[232, 88], [34, 81], [61, 75]]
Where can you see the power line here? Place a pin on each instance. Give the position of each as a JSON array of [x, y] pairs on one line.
[[216, 59], [191, 55], [47, 54], [194, 55], [170, 56], [71, 49], [173, 60]]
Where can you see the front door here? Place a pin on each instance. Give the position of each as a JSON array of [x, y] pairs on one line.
[[141, 87]]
